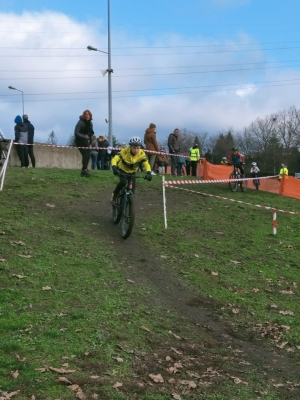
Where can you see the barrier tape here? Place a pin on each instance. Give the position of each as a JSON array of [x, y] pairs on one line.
[[238, 201], [187, 182], [101, 148]]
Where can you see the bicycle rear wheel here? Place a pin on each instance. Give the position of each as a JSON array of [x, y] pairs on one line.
[[233, 185], [117, 210], [127, 219]]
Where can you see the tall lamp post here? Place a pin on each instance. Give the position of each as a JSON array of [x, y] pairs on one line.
[[13, 88], [109, 71]]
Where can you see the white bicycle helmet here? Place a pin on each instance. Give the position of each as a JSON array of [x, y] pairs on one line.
[[135, 141], [224, 158], [254, 164]]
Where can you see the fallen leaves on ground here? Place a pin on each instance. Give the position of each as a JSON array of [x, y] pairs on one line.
[[63, 379], [62, 370], [156, 378], [286, 312], [20, 359], [214, 273], [191, 384], [143, 328], [2, 260], [15, 374], [50, 205], [235, 311], [117, 385], [7, 396], [162, 256], [235, 262], [17, 242], [175, 336], [176, 396], [46, 288], [19, 276], [286, 291], [25, 255]]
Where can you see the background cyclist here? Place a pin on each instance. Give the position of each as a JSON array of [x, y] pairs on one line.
[[236, 158], [128, 161]]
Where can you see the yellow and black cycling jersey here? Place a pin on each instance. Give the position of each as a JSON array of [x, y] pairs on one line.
[[130, 163]]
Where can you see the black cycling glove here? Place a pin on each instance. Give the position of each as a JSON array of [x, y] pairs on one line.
[[115, 170]]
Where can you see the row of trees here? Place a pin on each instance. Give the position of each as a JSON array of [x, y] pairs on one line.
[[269, 141]]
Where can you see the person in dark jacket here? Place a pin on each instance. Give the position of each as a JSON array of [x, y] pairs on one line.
[[208, 156], [173, 145], [21, 136], [103, 157], [151, 145], [83, 138], [30, 128]]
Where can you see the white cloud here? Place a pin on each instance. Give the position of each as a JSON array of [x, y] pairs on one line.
[[202, 101]]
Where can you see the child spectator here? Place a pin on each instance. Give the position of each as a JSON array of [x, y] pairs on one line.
[[254, 171], [180, 163], [162, 160]]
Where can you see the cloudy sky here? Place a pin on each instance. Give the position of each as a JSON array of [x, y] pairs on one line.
[[203, 65]]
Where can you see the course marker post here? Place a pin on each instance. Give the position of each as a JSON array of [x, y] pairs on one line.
[[274, 222], [164, 201], [3, 170]]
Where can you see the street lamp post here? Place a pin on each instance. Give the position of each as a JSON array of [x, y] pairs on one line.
[[109, 71], [13, 88]]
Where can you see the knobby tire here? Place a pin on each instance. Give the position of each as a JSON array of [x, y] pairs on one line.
[[127, 219], [117, 210], [233, 185]]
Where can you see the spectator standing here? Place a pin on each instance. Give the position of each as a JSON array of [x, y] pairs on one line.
[[283, 171], [187, 165], [180, 163], [173, 145], [151, 145], [195, 158], [21, 136], [162, 161], [30, 129], [83, 137], [94, 152], [208, 156], [102, 153]]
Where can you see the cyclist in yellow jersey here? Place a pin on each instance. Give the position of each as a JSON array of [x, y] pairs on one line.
[[128, 161]]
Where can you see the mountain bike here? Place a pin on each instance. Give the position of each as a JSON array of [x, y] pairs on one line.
[[235, 174], [123, 207]]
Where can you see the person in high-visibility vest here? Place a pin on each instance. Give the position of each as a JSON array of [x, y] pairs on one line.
[[283, 171], [194, 158]]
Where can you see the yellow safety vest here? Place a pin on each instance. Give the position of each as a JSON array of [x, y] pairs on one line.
[[283, 171], [194, 154]]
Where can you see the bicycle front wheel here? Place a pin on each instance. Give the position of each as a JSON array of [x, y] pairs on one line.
[[233, 185], [243, 184], [127, 219], [117, 210]]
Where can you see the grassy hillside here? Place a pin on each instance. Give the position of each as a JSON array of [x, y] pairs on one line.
[[205, 309]]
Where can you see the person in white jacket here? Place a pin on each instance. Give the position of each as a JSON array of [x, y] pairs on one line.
[[254, 171]]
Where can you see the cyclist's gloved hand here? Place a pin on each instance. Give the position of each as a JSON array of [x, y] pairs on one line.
[[115, 170], [149, 176]]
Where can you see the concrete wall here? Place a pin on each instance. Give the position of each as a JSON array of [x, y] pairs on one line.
[[50, 157]]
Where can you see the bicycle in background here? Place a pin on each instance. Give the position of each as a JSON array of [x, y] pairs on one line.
[[235, 174], [123, 207]]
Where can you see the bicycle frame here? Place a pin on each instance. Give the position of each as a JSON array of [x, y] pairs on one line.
[[235, 174]]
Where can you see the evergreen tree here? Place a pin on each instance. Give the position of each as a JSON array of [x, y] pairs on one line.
[[52, 139], [71, 141]]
